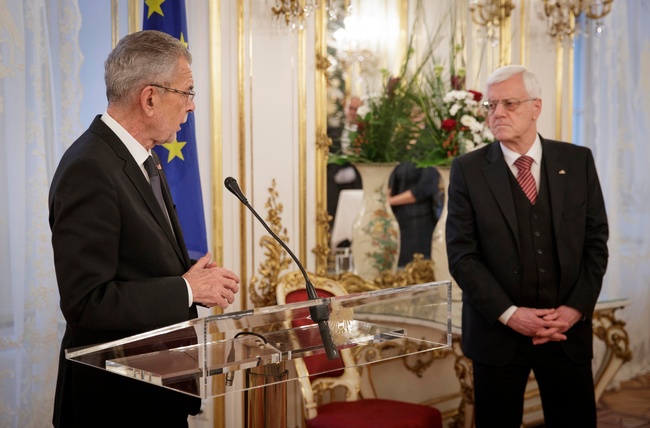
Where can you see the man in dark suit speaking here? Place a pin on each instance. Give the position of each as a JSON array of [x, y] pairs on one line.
[[527, 243], [121, 263]]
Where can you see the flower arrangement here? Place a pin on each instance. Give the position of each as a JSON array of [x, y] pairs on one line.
[[464, 126], [384, 129], [455, 124]]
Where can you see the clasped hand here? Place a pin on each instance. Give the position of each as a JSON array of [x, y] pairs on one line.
[[544, 325], [212, 285]]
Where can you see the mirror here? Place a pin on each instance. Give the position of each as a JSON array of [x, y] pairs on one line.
[[367, 42]]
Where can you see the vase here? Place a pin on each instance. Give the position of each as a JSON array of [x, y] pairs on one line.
[[375, 231], [439, 243]]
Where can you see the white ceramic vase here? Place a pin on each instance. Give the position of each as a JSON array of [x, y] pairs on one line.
[[439, 243], [375, 232]]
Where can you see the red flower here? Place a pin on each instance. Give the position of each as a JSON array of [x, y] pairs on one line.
[[457, 82], [477, 95], [449, 124], [392, 85]]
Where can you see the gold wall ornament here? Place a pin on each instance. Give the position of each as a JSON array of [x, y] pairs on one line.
[[322, 249], [493, 19], [418, 271], [562, 15], [417, 363], [322, 62], [490, 12], [262, 292], [465, 376], [294, 12], [323, 218], [612, 331]]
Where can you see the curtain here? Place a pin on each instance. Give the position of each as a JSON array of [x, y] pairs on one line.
[[613, 119], [40, 95]]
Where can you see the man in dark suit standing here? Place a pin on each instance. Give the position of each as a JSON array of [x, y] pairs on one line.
[[527, 244], [121, 263]]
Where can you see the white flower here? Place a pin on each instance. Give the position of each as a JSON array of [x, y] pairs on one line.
[[469, 121], [363, 110], [454, 109], [476, 127], [465, 145]]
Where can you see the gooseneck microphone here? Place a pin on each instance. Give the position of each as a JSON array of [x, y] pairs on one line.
[[320, 313]]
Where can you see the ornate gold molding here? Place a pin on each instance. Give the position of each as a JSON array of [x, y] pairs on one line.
[[612, 331], [322, 62], [465, 375], [417, 363], [262, 292], [321, 249]]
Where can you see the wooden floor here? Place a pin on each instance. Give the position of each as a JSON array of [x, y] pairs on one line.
[[627, 407]]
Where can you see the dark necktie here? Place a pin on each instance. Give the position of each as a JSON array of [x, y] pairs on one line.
[[525, 178], [154, 178]]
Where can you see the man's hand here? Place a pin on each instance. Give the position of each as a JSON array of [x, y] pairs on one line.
[[542, 325], [565, 314], [212, 285]]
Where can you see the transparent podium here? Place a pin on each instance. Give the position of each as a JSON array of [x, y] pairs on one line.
[[203, 357]]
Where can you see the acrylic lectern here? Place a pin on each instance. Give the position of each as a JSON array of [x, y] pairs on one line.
[[204, 357]]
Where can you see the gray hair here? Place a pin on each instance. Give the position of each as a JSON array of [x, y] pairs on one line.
[[531, 83], [139, 59]]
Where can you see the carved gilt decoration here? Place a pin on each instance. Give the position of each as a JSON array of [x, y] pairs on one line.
[[612, 331], [262, 292]]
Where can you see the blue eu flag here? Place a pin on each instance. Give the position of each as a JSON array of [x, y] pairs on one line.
[[180, 158]]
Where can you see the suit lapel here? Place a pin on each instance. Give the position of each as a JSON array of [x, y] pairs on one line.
[[134, 173], [496, 174], [557, 172]]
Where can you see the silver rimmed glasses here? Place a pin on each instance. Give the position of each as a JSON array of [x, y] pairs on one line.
[[510, 104], [189, 94]]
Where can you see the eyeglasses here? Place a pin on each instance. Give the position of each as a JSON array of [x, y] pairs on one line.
[[509, 104], [189, 94]]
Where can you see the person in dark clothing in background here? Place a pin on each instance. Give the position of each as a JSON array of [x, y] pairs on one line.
[[415, 197]]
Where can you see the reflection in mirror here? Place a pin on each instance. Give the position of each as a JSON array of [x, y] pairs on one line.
[[366, 44], [364, 39]]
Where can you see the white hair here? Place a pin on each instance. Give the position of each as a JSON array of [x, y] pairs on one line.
[[531, 83]]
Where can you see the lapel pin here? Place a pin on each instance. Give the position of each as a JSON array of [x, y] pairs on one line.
[[562, 172]]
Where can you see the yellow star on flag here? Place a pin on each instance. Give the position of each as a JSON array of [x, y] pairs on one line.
[[175, 150], [182, 39], [154, 6]]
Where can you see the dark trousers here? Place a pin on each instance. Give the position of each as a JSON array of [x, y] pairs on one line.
[[566, 389]]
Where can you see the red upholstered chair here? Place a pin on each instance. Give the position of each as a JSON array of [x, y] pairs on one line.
[[335, 375]]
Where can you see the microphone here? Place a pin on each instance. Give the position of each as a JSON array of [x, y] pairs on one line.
[[320, 313]]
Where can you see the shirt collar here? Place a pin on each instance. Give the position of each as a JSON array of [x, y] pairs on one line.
[[139, 153], [534, 152]]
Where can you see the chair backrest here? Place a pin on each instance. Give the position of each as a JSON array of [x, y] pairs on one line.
[[330, 374]]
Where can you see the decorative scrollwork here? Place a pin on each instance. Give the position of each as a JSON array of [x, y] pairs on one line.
[[262, 292], [322, 63], [612, 331], [323, 142], [418, 271], [465, 375], [417, 363], [322, 250]]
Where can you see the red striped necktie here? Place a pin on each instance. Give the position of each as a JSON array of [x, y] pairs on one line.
[[525, 178]]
